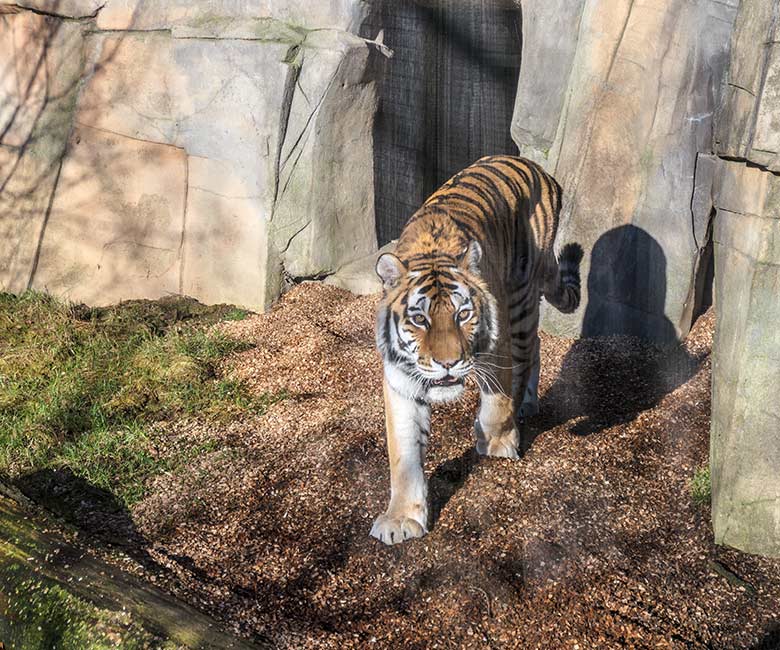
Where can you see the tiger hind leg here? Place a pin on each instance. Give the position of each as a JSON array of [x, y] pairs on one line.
[[524, 324], [530, 403], [494, 429]]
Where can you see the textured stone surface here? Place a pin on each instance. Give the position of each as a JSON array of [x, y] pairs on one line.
[[360, 276], [64, 8], [41, 63], [233, 119], [325, 197], [273, 119], [225, 247], [550, 38], [115, 227], [745, 440], [745, 434], [630, 107], [162, 14], [749, 119]]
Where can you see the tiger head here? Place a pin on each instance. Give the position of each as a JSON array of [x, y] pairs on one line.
[[435, 317]]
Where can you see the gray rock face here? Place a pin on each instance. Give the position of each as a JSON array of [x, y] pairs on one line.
[[745, 436], [745, 439], [616, 100], [748, 124]]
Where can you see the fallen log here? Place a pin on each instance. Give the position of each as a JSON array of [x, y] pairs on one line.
[[54, 593]]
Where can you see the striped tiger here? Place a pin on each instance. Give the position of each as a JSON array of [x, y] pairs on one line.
[[461, 298]]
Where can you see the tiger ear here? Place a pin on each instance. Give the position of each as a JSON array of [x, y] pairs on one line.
[[471, 257], [390, 269]]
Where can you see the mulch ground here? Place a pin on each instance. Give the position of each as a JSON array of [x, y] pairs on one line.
[[590, 540]]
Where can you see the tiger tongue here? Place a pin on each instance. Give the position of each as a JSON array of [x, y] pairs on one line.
[[446, 381]]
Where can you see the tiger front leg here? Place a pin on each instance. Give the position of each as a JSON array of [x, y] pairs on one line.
[[408, 424]]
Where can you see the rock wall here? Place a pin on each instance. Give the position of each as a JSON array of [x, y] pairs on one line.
[[745, 438], [616, 99], [210, 149]]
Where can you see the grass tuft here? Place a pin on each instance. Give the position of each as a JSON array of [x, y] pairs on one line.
[[701, 486], [237, 314], [81, 387]]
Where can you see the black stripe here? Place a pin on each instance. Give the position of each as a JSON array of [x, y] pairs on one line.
[[517, 168], [466, 228], [462, 197]]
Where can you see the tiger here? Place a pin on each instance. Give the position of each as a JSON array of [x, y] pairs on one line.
[[460, 298]]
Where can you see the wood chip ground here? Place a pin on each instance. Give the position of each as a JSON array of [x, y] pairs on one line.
[[590, 540]]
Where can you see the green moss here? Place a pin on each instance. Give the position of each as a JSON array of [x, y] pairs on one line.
[[647, 158], [83, 388], [36, 613]]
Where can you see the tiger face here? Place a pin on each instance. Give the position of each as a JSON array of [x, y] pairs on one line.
[[434, 319]]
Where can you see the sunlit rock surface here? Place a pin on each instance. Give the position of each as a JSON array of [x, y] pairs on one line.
[[745, 440], [616, 99], [211, 149]]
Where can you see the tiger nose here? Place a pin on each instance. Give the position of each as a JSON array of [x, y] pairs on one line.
[[446, 364]]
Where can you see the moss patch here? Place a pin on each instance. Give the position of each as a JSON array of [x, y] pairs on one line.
[[37, 613]]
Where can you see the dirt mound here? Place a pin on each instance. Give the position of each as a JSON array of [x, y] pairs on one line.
[[591, 540]]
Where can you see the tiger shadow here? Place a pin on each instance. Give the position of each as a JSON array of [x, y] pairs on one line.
[[604, 382]]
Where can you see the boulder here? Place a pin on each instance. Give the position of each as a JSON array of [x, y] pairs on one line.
[[628, 91], [268, 106]]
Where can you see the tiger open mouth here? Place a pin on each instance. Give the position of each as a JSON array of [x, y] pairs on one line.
[[447, 381]]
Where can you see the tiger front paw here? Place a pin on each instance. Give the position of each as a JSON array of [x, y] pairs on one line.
[[394, 530]]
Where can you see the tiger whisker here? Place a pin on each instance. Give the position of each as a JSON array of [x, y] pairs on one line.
[[495, 365], [490, 380]]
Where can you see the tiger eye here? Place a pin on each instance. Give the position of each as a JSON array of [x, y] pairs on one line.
[[419, 319]]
